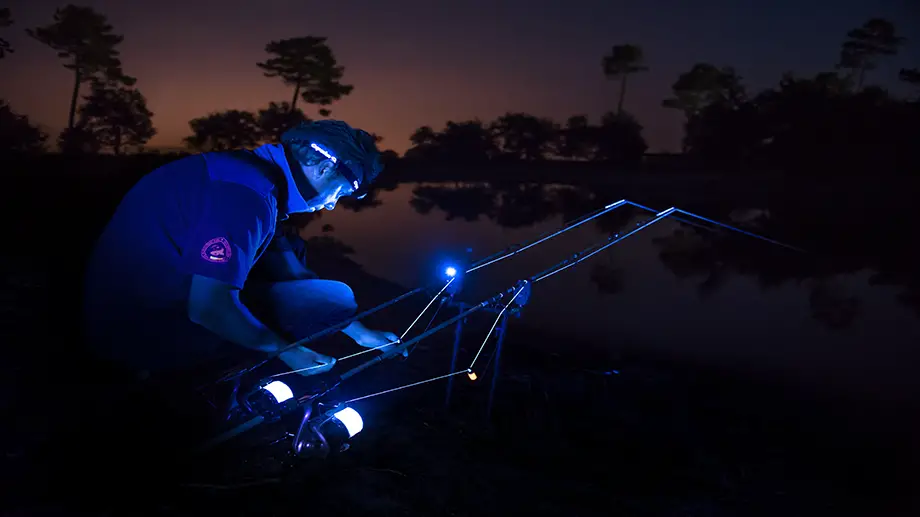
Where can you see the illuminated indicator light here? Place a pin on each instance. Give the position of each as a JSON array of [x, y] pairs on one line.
[[451, 271], [472, 376]]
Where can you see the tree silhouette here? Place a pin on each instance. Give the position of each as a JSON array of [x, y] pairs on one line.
[[117, 116], [576, 139], [424, 135], [910, 76], [6, 19], [17, 134], [622, 61], [85, 40], [865, 44], [524, 136], [704, 85], [278, 118], [232, 129], [307, 64], [78, 140], [460, 143], [619, 140]]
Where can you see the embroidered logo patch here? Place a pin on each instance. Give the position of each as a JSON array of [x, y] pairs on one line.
[[216, 250]]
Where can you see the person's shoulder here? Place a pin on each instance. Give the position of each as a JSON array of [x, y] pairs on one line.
[[241, 167], [244, 200]]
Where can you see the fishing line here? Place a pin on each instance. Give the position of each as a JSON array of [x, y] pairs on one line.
[[426, 308], [494, 323], [406, 386], [328, 330], [337, 360], [377, 347], [430, 322], [507, 253]]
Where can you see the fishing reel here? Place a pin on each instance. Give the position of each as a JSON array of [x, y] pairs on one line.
[[268, 399], [324, 429]]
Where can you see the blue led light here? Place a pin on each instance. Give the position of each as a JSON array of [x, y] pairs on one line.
[[351, 419], [324, 152], [451, 271], [279, 390]]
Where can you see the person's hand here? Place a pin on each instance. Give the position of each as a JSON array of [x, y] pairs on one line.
[[378, 339], [306, 362]]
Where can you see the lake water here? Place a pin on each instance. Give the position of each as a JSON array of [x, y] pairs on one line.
[[835, 334]]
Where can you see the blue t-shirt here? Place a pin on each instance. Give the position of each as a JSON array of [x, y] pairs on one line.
[[213, 215]]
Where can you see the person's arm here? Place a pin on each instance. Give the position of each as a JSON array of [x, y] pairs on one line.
[[283, 260], [216, 306], [221, 247]]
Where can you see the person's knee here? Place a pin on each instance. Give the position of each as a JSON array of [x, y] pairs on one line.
[[341, 297]]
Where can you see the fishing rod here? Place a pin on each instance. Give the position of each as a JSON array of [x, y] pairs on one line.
[[338, 422], [322, 333], [496, 257], [324, 427], [487, 261], [523, 286]]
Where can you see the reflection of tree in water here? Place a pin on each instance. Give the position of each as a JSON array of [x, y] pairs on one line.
[[607, 278], [357, 205], [832, 305], [466, 202], [511, 205], [715, 257], [520, 206], [687, 255]]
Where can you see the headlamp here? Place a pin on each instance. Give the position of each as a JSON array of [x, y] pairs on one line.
[[343, 168]]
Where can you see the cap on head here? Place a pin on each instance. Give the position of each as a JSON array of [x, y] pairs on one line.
[[354, 151]]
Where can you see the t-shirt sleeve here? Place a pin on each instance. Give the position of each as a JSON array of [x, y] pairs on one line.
[[225, 240]]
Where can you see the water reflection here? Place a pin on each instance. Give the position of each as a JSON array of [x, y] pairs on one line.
[[712, 257], [672, 288]]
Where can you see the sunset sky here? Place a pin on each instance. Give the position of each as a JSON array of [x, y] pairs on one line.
[[423, 62]]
